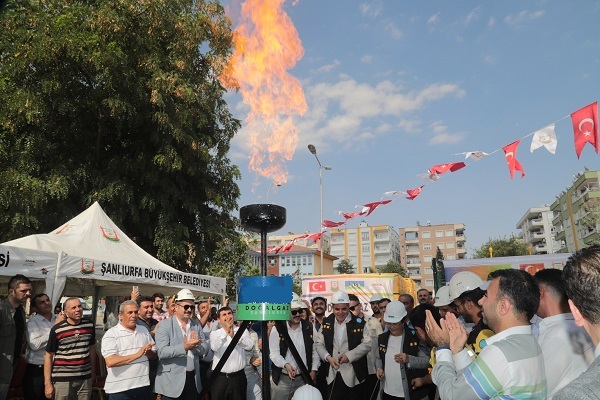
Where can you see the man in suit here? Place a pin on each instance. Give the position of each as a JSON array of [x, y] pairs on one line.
[[344, 344], [180, 344], [581, 276]]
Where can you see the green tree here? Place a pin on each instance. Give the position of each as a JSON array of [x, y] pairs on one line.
[[119, 102], [393, 267], [345, 267], [503, 247]]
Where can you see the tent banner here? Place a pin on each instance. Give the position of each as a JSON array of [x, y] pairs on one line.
[[483, 266], [81, 267], [34, 264]]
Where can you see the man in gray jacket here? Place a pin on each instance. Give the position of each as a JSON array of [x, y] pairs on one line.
[[582, 283]]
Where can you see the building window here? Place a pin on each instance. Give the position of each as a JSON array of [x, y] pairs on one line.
[[364, 236], [439, 233], [411, 236], [428, 270], [366, 248], [426, 246], [427, 259], [450, 257], [429, 282], [426, 234], [449, 245], [441, 245], [450, 232]]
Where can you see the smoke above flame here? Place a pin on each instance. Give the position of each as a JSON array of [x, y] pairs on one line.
[[267, 46]]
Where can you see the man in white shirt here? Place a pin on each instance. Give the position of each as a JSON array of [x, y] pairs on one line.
[[286, 374], [567, 348], [230, 383], [582, 283], [126, 348], [38, 331]]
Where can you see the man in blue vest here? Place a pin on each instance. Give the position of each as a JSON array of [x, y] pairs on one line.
[[286, 373], [344, 344]]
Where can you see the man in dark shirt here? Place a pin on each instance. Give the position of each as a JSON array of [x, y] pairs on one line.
[[12, 328]]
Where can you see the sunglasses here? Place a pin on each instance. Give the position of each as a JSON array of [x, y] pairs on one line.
[[296, 312], [352, 308], [186, 307]]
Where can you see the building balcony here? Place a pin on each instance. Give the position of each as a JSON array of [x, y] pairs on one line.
[[560, 235], [461, 238], [461, 250], [540, 248], [535, 224]]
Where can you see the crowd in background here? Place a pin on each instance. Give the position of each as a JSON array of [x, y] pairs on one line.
[[515, 335]]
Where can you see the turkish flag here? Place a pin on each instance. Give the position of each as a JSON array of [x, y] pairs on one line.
[[276, 249], [442, 168], [288, 246], [414, 192], [313, 238], [331, 224], [317, 287], [510, 153], [351, 215], [585, 127], [372, 206]]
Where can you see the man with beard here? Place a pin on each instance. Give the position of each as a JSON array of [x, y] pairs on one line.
[[12, 328], [319, 307], [159, 313], [344, 344], [286, 373], [374, 302], [511, 364], [68, 364], [180, 344], [424, 296], [146, 312], [126, 348], [464, 289]]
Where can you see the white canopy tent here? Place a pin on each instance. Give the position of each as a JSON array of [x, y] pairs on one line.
[[94, 257], [39, 266]]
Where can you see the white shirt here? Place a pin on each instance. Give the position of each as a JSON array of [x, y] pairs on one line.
[[189, 354], [219, 340], [567, 350], [37, 333], [120, 341], [298, 340], [393, 374]]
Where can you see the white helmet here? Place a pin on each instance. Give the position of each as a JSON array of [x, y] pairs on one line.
[[375, 297], [463, 282], [296, 302], [307, 392], [394, 312], [184, 294], [442, 296], [340, 298]]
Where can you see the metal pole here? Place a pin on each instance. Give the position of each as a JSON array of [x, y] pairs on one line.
[[321, 215], [266, 378]]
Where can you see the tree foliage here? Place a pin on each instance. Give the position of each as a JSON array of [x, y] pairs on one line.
[[502, 247], [119, 102], [394, 267], [345, 267]]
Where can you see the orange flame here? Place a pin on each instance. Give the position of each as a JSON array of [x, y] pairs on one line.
[[266, 47]]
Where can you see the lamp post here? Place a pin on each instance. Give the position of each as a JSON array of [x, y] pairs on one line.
[[313, 151]]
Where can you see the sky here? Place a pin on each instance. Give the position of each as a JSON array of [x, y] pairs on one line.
[[393, 88]]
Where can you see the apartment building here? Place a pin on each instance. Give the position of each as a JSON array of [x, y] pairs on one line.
[[575, 219], [366, 247], [298, 262], [536, 230], [419, 244]]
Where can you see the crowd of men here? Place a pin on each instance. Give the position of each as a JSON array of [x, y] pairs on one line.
[[515, 335]]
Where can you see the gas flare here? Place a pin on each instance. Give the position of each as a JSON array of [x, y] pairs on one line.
[[267, 46]]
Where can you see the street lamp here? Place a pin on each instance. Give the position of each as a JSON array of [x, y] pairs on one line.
[[313, 151]]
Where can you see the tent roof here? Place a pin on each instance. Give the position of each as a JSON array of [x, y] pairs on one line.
[[94, 247]]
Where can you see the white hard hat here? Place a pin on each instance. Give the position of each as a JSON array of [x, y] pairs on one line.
[[394, 312], [375, 297], [463, 282], [442, 297], [307, 392], [340, 298], [296, 302], [184, 294]]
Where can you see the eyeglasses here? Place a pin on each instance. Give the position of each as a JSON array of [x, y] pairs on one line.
[[352, 308], [296, 312], [186, 307]]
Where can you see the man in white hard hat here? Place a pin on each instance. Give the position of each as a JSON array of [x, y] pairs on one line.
[[400, 359], [344, 344], [180, 345], [374, 302], [286, 373], [464, 290], [511, 364]]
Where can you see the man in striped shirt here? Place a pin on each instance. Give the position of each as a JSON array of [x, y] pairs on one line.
[[511, 363], [68, 365]]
